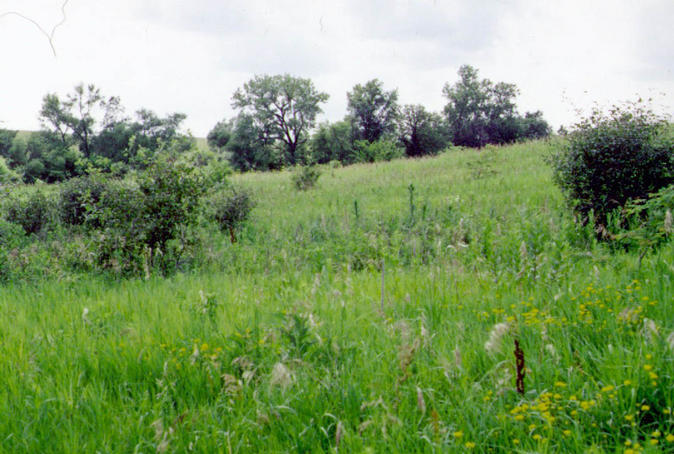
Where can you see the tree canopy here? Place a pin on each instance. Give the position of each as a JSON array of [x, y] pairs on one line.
[[283, 108], [373, 110]]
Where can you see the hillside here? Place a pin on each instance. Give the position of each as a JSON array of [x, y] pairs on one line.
[[377, 312]]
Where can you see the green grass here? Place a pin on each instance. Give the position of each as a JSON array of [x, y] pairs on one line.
[[280, 342]]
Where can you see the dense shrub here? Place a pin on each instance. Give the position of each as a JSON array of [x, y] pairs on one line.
[[34, 212], [80, 196], [305, 177], [230, 209], [381, 150], [612, 158], [139, 219], [649, 222]]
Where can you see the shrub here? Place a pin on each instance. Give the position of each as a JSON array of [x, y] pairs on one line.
[[231, 209], [649, 222], [33, 212], [305, 177], [140, 219], [612, 158], [381, 150], [80, 196]]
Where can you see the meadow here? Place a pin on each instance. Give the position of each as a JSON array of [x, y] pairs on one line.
[[377, 312]]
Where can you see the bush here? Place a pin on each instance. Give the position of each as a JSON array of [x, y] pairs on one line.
[[305, 177], [613, 158], [381, 150], [649, 222], [33, 212], [231, 209], [80, 196], [140, 219]]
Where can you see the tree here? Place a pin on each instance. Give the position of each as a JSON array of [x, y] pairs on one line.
[[251, 147], [220, 135], [480, 112], [333, 142], [76, 116], [372, 110], [421, 132], [283, 107], [466, 110]]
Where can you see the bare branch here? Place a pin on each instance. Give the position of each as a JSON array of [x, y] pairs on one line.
[[49, 36]]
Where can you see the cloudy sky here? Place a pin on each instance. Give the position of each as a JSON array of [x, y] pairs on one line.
[[190, 56]]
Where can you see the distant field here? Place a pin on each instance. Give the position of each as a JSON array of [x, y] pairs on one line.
[[378, 312]]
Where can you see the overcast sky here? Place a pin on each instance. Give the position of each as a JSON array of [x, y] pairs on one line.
[[190, 56]]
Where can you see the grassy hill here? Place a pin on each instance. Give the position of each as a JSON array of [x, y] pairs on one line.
[[378, 312]]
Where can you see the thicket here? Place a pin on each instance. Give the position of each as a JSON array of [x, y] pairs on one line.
[[612, 159]]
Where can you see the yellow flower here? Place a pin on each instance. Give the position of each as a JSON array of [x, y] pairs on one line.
[[458, 434], [536, 437], [654, 441], [645, 407], [629, 417], [647, 367], [470, 445], [656, 434], [607, 388], [627, 382], [517, 441], [567, 432], [669, 438], [560, 384]]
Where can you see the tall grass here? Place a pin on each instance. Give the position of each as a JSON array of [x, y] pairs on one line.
[[281, 343]]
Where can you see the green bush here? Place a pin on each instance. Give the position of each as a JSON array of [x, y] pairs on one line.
[[381, 150], [34, 212], [305, 177], [231, 209], [140, 219], [649, 222], [79, 196], [612, 158]]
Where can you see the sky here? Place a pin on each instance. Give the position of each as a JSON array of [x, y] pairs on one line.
[[190, 56]]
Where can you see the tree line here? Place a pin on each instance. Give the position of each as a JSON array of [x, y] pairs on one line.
[[275, 127]]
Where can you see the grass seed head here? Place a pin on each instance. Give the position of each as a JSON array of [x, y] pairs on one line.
[[496, 335]]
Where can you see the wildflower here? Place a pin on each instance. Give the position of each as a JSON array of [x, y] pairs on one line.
[[670, 438], [645, 407], [458, 434], [493, 345], [470, 445], [567, 432], [654, 441], [607, 388], [516, 441], [536, 437], [647, 367]]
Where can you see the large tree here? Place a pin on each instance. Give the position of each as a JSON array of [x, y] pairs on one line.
[[78, 115], [283, 108], [373, 110], [480, 112], [422, 132]]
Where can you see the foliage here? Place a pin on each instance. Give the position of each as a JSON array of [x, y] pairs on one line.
[[230, 209], [481, 112], [372, 110], [220, 135], [421, 132], [333, 142], [612, 158], [7, 175], [250, 149], [35, 212], [7, 137], [283, 108], [305, 177], [381, 150], [648, 223], [79, 197]]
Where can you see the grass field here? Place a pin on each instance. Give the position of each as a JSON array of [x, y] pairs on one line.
[[377, 312]]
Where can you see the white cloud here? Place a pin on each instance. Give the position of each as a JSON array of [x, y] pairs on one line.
[[171, 55]]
